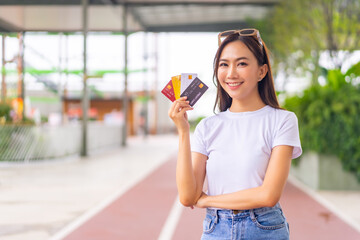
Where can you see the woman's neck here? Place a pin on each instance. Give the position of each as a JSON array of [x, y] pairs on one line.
[[247, 105]]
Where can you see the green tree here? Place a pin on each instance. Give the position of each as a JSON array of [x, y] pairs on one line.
[[298, 31]]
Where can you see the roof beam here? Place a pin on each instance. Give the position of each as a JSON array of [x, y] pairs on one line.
[[131, 3], [204, 3], [137, 17], [207, 27], [8, 27]]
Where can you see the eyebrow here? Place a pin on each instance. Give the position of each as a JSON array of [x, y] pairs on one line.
[[240, 58]]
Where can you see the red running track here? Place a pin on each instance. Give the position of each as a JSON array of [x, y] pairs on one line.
[[142, 211]]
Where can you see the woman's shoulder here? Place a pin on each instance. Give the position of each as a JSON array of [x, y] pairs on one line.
[[282, 116], [283, 113], [211, 120]]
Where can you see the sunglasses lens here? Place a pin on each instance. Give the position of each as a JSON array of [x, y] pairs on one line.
[[244, 32], [247, 31], [225, 34]]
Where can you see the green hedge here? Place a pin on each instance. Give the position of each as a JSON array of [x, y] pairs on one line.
[[193, 123], [5, 111], [329, 117]]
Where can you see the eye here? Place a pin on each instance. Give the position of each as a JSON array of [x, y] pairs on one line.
[[222, 64], [242, 64]]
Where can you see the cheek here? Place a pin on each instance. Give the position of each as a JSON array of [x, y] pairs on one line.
[[221, 75], [249, 75], [222, 78]]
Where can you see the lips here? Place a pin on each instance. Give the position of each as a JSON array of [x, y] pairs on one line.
[[234, 85]]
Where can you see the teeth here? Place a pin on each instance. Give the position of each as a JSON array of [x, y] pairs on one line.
[[234, 84]]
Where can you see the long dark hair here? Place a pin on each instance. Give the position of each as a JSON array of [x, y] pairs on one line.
[[265, 86]]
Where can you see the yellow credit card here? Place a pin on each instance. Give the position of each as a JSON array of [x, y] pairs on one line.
[[176, 81]]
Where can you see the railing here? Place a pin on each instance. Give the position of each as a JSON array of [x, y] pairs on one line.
[[30, 143]]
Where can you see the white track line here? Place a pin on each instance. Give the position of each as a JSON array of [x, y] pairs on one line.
[[172, 221], [64, 232]]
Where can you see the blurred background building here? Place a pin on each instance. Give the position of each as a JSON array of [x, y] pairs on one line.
[[89, 73], [79, 76], [122, 52]]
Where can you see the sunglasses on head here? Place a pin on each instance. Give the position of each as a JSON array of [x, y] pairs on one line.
[[248, 32]]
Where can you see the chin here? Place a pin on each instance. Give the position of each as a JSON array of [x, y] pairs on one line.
[[235, 95]]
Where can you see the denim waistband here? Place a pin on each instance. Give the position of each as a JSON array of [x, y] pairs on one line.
[[230, 213]]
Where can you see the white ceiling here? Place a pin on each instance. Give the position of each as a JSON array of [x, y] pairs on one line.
[[154, 15]]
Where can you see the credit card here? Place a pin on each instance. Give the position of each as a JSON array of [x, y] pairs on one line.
[[168, 91], [186, 79], [176, 82], [194, 91]]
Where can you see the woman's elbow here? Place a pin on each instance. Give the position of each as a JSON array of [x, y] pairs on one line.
[[187, 201], [271, 203], [270, 199]]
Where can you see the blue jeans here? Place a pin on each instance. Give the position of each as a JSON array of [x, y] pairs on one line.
[[266, 223]]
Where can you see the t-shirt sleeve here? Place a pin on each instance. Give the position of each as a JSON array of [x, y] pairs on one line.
[[198, 139], [288, 134]]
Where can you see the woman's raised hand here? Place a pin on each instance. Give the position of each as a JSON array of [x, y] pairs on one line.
[[177, 113]]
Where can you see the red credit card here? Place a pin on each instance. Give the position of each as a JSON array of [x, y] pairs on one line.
[[168, 91]]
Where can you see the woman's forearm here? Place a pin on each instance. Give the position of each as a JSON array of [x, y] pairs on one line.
[[185, 177], [245, 199], [266, 195]]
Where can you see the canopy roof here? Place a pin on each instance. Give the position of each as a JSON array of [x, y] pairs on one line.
[[151, 15]]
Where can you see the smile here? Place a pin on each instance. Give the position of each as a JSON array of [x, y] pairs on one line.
[[234, 84]]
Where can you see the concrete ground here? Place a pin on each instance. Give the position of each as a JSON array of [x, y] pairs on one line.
[[39, 199], [44, 200], [344, 203]]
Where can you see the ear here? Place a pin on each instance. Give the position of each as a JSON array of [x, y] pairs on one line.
[[263, 71]]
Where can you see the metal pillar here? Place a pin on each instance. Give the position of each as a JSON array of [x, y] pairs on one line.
[[66, 66], [21, 72], [156, 74], [145, 88], [125, 93], [85, 99], [3, 82], [60, 76]]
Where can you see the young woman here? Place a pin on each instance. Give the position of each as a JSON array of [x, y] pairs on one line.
[[244, 151]]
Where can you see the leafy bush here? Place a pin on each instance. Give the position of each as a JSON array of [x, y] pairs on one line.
[[329, 117], [194, 123], [27, 121], [5, 111]]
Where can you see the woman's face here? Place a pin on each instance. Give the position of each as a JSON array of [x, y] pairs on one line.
[[239, 72]]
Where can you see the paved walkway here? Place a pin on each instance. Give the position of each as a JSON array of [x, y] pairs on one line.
[[131, 194]]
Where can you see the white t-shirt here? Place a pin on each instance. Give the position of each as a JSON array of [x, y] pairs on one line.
[[238, 146]]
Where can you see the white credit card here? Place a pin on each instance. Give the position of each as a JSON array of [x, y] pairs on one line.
[[186, 79]]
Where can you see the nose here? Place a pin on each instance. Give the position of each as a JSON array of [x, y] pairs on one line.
[[232, 72]]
